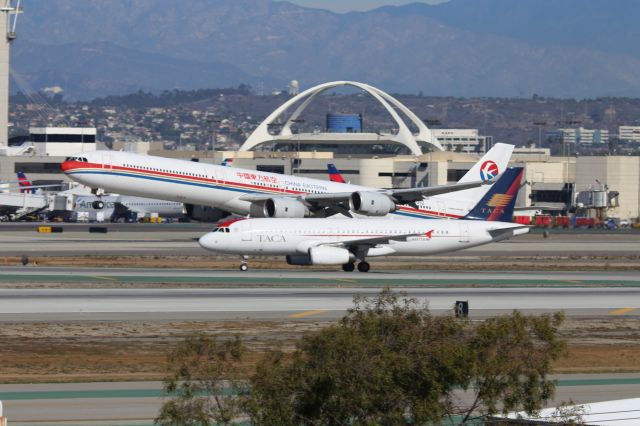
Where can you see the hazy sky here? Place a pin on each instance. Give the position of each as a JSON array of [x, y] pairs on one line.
[[349, 5]]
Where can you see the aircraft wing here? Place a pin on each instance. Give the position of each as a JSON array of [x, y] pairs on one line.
[[506, 233], [324, 199], [27, 187], [409, 195], [401, 196], [372, 241]]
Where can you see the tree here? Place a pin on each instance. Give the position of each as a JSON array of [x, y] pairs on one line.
[[512, 355], [389, 361], [199, 377]]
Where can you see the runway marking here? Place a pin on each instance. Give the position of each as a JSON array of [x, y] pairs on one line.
[[343, 280], [307, 313], [622, 311], [104, 278], [573, 281]]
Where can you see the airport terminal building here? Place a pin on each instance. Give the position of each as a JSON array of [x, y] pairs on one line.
[[552, 184]]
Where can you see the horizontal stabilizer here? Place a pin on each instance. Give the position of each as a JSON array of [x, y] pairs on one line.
[[506, 233]]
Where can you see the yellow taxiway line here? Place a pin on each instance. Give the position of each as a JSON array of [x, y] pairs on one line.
[[307, 313], [622, 311], [104, 278]]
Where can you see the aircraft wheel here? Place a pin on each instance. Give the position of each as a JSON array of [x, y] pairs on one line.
[[348, 267], [363, 267], [244, 267]]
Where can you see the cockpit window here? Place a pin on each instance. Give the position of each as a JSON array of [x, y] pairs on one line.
[[221, 229]]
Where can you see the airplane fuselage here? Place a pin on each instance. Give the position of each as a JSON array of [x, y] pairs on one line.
[[219, 186], [298, 236]]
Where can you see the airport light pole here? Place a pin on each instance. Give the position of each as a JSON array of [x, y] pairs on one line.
[[298, 121], [214, 131], [539, 124]]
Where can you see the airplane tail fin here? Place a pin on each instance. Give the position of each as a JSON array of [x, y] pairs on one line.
[[499, 202], [490, 165], [24, 183], [227, 162], [487, 168], [334, 173]]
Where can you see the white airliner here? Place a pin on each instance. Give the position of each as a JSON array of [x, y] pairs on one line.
[[262, 194], [125, 208], [343, 241]]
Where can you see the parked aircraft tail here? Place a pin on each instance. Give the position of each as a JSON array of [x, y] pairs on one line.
[[227, 162], [493, 163], [488, 168], [334, 173], [499, 202], [25, 184]]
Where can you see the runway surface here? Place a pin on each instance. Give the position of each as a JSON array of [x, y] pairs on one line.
[[137, 403], [309, 276], [295, 303]]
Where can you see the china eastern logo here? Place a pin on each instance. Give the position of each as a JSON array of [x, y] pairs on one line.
[[488, 170]]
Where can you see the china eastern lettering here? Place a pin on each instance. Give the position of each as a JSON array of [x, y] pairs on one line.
[[271, 238]]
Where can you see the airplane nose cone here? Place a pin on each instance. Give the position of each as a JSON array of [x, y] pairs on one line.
[[67, 165], [207, 241]]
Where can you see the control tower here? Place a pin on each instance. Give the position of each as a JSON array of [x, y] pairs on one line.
[[7, 35]]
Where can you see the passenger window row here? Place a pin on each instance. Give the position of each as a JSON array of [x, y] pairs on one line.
[[155, 169]]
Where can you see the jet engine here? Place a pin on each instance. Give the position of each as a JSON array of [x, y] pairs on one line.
[[371, 203], [284, 207], [98, 205], [322, 256], [330, 255]]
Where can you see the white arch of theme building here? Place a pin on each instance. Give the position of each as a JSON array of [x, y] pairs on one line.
[[404, 136]]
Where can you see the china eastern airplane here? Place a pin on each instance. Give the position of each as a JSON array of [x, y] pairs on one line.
[[343, 241], [263, 194]]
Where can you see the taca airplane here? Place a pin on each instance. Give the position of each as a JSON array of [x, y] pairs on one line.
[[343, 241], [262, 194]]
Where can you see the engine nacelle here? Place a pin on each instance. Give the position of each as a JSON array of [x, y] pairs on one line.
[[98, 205], [330, 256], [284, 207], [371, 203], [322, 256]]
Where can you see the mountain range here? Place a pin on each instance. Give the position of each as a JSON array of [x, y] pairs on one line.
[[502, 48]]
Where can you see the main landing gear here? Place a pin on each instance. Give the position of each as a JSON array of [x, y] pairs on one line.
[[348, 267], [362, 267], [244, 265]]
